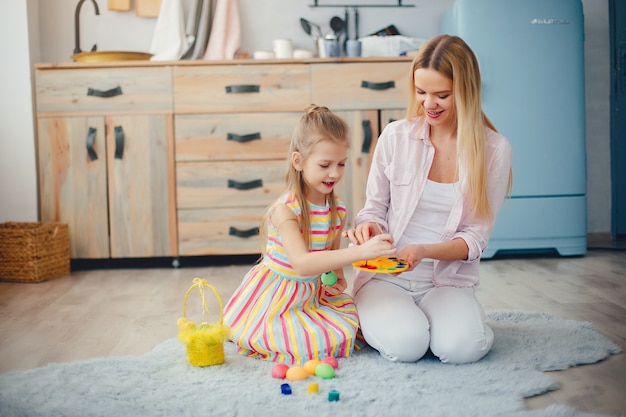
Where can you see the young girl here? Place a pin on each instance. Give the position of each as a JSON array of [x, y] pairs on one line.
[[281, 312]]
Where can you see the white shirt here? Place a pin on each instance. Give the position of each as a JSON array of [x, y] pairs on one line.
[[427, 224]]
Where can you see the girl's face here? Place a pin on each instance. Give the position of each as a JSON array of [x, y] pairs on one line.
[[322, 169], [434, 93]]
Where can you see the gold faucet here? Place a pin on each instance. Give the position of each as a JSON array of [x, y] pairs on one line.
[[77, 25]]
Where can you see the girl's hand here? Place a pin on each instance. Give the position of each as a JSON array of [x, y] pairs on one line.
[[362, 233], [377, 246], [339, 287]]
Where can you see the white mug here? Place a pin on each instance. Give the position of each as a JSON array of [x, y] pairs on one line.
[[283, 49]]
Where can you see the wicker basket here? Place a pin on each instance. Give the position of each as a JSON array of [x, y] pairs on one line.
[[205, 343], [34, 252]]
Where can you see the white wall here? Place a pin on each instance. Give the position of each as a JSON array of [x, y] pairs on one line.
[[18, 173], [263, 21]]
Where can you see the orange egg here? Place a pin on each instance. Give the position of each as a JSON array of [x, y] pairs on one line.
[[310, 366], [296, 373]]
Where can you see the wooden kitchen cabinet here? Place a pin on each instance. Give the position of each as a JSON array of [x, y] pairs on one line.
[[233, 127], [368, 95], [106, 160], [205, 146]]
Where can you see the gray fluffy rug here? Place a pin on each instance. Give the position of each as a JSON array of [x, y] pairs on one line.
[[162, 383]]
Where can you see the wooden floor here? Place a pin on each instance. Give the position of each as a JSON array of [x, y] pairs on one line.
[[128, 311]]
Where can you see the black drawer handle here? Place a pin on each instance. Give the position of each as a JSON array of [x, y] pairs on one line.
[[243, 138], [91, 138], [378, 86], [367, 136], [245, 185], [119, 142], [243, 233], [117, 91], [244, 88]]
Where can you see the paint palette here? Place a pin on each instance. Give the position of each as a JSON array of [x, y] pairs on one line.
[[389, 265]]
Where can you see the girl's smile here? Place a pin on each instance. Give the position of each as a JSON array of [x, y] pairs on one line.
[[323, 169]]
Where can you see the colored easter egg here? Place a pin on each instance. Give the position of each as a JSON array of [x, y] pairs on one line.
[[329, 278], [280, 371], [331, 361], [325, 371], [310, 366], [296, 373]]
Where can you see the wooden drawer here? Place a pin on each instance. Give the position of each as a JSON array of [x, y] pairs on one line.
[[360, 86], [219, 231], [229, 184], [223, 137], [104, 90], [237, 88]]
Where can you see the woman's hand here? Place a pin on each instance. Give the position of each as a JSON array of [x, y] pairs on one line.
[[362, 233], [413, 254]]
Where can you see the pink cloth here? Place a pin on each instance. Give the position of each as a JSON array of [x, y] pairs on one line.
[[225, 37]]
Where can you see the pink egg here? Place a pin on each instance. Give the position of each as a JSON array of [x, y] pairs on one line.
[[331, 361], [280, 371]]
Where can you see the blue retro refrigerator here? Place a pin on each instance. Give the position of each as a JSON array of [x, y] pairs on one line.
[[532, 66]]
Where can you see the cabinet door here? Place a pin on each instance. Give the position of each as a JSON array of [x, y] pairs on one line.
[[364, 132], [388, 116], [141, 185], [73, 181]]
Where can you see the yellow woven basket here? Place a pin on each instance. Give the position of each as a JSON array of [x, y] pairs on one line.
[[205, 343]]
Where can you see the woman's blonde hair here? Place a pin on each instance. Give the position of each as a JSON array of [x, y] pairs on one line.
[[452, 57], [317, 124]]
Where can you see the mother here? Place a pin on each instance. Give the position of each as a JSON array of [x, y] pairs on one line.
[[437, 181]]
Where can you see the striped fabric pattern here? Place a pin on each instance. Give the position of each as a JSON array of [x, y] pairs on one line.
[[277, 316]]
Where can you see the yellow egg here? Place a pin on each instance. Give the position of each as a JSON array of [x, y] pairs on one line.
[[296, 373], [311, 365]]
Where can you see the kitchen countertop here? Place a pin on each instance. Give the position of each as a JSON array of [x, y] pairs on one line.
[[117, 64]]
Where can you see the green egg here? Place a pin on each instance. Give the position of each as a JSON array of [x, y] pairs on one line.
[[325, 371], [329, 278]]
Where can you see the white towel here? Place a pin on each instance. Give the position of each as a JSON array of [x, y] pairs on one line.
[[225, 37], [169, 41]]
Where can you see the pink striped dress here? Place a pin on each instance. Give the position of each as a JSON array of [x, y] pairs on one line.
[[278, 316]]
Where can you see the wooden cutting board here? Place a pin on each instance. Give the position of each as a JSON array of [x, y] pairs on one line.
[[147, 8], [119, 5]]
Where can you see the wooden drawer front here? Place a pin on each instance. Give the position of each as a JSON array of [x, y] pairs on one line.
[[253, 136], [229, 184], [78, 91], [229, 88], [219, 231], [359, 86]]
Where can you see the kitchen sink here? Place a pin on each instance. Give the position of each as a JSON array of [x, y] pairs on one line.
[[104, 56]]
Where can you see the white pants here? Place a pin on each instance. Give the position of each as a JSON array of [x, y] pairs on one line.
[[403, 325]]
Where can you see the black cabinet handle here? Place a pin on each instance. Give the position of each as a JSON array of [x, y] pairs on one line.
[[243, 88], [119, 142], [378, 86], [91, 138], [367, 136], [243, 138], [117, 91], [245, 185], [243, 233]]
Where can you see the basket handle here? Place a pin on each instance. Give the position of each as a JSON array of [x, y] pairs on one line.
[[201, 283]]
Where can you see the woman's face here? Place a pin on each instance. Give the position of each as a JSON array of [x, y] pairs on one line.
[[434, 93]]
